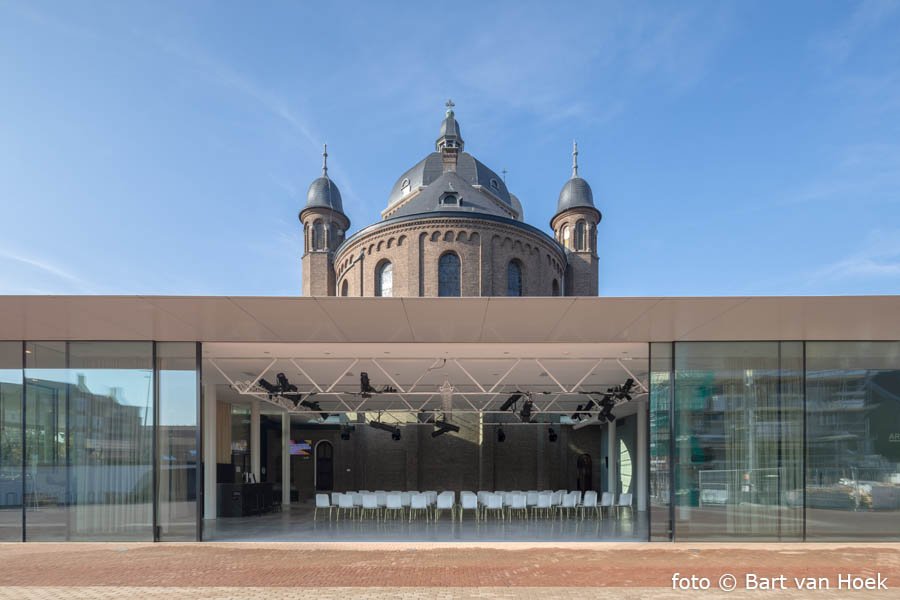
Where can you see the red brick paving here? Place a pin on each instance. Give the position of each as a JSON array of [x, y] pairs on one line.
[[424, 565]]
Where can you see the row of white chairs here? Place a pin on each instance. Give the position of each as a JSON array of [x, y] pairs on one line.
[[382, 504], [546, 504]]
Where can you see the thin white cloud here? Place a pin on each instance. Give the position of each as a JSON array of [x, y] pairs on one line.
[[42, 267], [877, 259]]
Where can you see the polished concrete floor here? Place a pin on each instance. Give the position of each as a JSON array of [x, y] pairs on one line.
[[297, 525]]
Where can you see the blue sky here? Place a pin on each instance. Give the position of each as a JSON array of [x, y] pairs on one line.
[[166, 147]]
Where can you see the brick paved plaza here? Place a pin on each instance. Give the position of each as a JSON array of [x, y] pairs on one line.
[[276, 571]]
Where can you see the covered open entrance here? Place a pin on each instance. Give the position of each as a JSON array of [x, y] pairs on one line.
[[357, 441]]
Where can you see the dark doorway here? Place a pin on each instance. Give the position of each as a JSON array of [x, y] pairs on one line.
[[585, 472], [324, 466]]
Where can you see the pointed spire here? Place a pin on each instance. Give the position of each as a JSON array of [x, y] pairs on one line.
[[574, 159], [324, 160]]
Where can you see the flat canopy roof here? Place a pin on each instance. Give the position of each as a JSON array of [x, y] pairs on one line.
[[448, 320]]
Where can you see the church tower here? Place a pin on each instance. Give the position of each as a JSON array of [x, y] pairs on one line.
[[575, 228], [324, 228]]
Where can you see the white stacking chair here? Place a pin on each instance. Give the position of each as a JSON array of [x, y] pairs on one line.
[[494, 503], [518, 504], [589, 502], [345, 503], [543, 505], [418, 503], [555, 501], [482, 500], [381, 498], [369, 505], [445, 501], [569, 504], [404, 499], [357, 500], [606, 502], [623, 503], [322, 502], [531, 498], [393, 504], [468, 501]]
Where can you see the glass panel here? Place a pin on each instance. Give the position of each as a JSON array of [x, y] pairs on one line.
[[240, 440], [579, 235], [448, 275], [46, 443], [853, 440], [89, 427], [738, 438], [660, 441], [514, 279], [111, 440], [11, 441], [177, 441], [385, 284]]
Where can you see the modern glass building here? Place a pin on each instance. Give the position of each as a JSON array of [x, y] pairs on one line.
[[154, 418]]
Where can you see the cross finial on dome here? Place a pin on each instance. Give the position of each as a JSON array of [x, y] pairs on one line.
[[574, 159], [324, 160], [449, 104]]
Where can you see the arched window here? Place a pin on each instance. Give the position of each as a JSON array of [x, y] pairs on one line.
[[514, 278], [345, 288], [318, 235], [555, 287], [384, 279], [567, 237], [579, 235], [448, 275]]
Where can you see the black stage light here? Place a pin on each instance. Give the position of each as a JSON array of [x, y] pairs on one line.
[[396, 436], [313, 406], [501, 436], [346, 430], [385, 427], [510, 401], [552, 435], [606, 412], [365, 388], [525, 413], [271, 389], [623, 392], [442, 427], [284, 384], [577, 412]]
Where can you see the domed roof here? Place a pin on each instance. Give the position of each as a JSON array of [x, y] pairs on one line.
[[575, 193], [517, 205], [427, 170], [323, 193]]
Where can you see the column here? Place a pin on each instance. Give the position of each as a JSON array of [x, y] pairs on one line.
[[612, 484], [254, 440], [642, 462], [285, 459], [209, 451]]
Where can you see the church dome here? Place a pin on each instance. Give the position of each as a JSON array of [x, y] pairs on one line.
[[323, 193], [423, 187], [576, 193]]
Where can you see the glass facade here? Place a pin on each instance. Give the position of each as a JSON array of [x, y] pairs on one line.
[[178, 441], [11, 441], [738, 431], [97, 442], [660, 408], [852, 440]]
